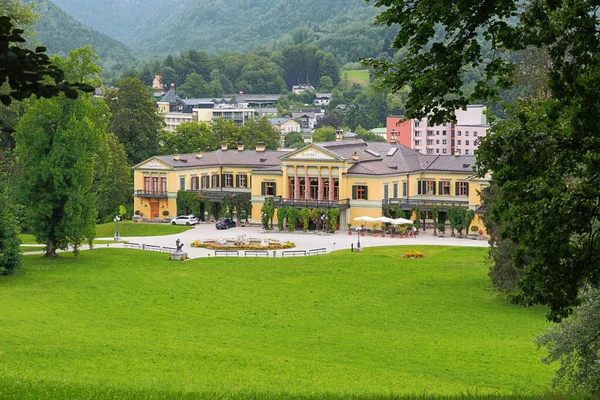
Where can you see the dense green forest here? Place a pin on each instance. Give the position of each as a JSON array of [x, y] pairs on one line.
[[60, 33], [342, 27]]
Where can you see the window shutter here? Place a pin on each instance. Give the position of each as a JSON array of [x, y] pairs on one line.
[[395, 190], [467, 189], [237, 181], [274, 189], [263, 188], [424, 190], [433, 187], [419, 187], [353, 192], [440, 190], [456, 188], [404, 187], [223, 180], [366, 192]]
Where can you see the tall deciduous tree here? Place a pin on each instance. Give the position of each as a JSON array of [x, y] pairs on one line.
[[323, 134], [189, 137], [112, 180], [135, 119], [56, 142]]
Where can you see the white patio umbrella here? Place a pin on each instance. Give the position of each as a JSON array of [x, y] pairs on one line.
[[384, 219], [401, 221], [365, 218]]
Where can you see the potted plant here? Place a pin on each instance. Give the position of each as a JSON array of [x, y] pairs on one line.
[[480, 233], [349, 229], [474, 229], [392, 232], [165, 213], [375, 226], [441, 227], [243, 218]]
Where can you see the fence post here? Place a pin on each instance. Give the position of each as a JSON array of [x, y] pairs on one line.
[[274, 253]]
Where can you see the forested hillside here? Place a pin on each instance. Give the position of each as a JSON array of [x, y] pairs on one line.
[[342, 27], [60, 33]]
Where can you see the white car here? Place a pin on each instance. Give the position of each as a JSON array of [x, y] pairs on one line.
[[184, 220]]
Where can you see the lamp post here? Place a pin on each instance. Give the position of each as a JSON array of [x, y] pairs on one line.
[[205, 216], [117, 236], [358, 229], [323, 221]]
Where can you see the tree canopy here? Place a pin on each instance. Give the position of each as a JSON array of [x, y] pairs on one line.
[[544, 155]]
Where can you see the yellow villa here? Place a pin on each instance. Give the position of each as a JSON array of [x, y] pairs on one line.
[[354, 176]]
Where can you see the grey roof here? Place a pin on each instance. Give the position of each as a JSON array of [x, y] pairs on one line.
[[374, 158], [169, 97], [323, 95], [251, 158], [279, 121]]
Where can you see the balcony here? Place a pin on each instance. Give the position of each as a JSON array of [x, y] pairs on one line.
[[342, 204], [157, 194], [407, 204]]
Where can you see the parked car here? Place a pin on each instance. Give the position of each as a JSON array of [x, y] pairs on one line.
[[225, 223], [184, 220]]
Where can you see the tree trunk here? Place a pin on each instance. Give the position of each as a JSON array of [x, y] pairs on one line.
[[51, 249]]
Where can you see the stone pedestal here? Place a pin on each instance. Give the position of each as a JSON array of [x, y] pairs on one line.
[[178, 256]]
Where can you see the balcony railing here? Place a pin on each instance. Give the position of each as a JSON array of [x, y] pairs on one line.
[[407, 204], [342, 204], [151, 193]]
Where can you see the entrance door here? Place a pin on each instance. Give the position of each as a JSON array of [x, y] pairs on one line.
[[154, 209]]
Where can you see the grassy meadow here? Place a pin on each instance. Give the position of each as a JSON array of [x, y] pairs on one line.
[[358, 76], [116, 323]]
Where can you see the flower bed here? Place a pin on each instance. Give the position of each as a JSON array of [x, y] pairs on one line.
[[413, 254], [242, 243]]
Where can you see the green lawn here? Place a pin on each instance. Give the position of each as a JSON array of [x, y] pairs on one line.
[[360, 76], [130, 324], [31, 248], [126, 229]]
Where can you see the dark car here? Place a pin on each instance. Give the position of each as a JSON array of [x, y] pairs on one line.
[[225, 223]]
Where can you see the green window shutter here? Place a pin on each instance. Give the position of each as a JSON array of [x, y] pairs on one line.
[[366, 192], [353, 192], [440, 190], [467, 189], [395, 190], [404, 187], [424, 190], [223, 180], [456, 188], [434, 187], [419, 187], [263, 188], [237, 181], [274, 189]]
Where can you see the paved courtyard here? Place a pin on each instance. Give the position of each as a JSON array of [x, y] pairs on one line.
[[303, 241]]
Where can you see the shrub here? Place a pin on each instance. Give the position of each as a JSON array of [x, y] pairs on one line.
[[165, 213], [474, 228], [137, 212], [441, 227]]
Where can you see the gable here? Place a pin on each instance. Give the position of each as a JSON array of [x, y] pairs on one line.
[[153, 164], [311, 153]]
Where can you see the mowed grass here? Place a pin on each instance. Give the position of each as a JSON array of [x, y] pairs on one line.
[[126, 229], [359, 76], [122, 323]]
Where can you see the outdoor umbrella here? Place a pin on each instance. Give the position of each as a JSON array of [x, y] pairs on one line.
[[365, 218], [401, 221]]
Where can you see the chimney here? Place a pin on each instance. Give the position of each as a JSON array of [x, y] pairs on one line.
[[393, 136], [260, 146], [339, 135], [457, 153], [199, 154], [240, 146], [355, 156], [176, 157], [223, 146]]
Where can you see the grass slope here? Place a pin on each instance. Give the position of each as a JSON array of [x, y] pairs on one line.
[[360, 77], [130, 324], [132, 229]]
